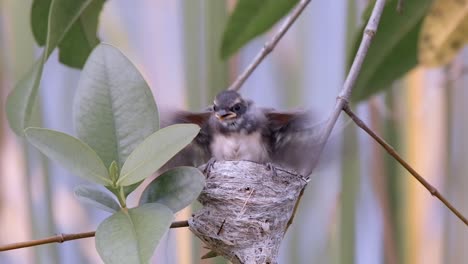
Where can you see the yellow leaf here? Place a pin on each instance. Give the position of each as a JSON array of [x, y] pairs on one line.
[[444, 32]]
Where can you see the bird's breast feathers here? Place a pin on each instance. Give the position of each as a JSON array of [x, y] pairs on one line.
[[239, 146]]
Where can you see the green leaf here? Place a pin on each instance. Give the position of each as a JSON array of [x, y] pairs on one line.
[[251, 19], [131, 236], [393, 51], [155, 151], [78, 41], [97, 197], [114, 109], [175, 188], [70, 153], [129, 189], [20, 102], [39, 18]]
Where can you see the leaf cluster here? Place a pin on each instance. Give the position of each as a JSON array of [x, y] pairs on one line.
[[119, 145]]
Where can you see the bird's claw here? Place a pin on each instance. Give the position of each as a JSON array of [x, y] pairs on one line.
[[209, 166], [271, 167]]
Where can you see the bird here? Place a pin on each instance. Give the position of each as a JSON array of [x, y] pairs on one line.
[[234, 128]]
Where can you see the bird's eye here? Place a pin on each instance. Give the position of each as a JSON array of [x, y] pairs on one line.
[[236, 107]]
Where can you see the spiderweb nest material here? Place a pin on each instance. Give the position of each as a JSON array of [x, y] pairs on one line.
[[246, 210]]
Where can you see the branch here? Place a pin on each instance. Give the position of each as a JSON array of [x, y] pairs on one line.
[[345, 94], [269, 46], [390, 150], [350, 81], [67, 237]]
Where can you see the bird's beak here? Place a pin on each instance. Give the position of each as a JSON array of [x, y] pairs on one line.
[[222, 115]]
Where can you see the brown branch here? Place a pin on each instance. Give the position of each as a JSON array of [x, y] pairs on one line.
[[67, 237], [269, 46], [390, 150], [53, 239]]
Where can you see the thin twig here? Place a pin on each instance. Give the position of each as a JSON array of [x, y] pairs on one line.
[[53, 239], [269, 46], [390, 150], [221, 227], [246, 201], [350, 81], [67, 237]]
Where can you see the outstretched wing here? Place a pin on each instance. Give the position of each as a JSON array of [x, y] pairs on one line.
[[197, 152], [296, 139]]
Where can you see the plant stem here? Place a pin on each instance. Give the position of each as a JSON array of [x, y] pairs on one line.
[[390, 150], [269, 46], [350, 81], [121, 197], [67, 237]]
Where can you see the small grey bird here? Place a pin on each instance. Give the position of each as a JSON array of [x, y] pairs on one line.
[[235, 129]]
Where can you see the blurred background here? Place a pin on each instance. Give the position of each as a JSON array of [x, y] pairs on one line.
[[359, 207]]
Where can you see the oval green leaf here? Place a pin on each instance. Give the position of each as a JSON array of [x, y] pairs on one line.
[[155, 151], [131, 236], [20, 102], [97, 197], [175, 188], [79, 40], [394, 49], [251, 19], [70, 153], [114, 109]]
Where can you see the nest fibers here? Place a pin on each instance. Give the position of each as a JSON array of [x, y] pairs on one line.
[[246, 210]]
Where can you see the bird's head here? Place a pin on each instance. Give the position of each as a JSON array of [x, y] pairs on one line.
[[229, 109]]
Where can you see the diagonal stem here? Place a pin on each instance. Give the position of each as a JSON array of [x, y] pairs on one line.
[[269, 46], [345, 94], [390, 150]]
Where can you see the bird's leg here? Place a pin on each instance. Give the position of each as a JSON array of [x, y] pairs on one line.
[[208, 167], [271, 167]]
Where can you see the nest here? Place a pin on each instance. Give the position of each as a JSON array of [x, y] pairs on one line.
[[247, 208]]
